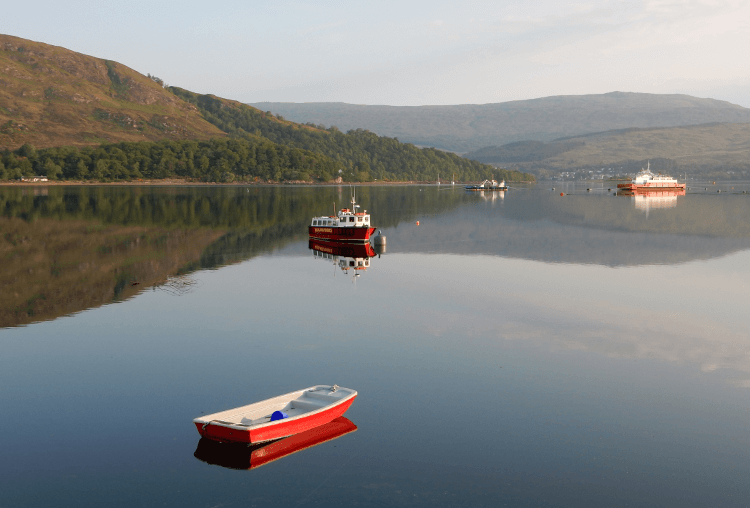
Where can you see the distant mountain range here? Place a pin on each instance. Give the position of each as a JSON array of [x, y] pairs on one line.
[[469, 127], [709, 150], [563, 133]]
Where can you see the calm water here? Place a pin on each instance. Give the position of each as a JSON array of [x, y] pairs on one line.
[[523, 349]]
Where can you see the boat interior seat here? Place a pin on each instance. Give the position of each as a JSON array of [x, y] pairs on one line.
[[327, 397], [309, 405]]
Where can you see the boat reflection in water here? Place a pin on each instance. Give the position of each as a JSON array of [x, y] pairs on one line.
[[347, 256], [241, 456], [492, 196], [653, 199]]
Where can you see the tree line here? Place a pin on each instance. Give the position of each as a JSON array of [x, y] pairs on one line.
[[215, 160], [261, 148], [361, 155]]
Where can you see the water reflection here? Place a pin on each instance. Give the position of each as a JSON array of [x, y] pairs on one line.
[[346, 257], [492, 195], [66, 249], [654, 200], [234, 456]]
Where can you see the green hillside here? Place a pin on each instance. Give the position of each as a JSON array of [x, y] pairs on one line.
[[709, 150], [469, 127], [51, 96], [65, 115]]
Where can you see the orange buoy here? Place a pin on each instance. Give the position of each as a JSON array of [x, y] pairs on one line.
[[417, 223], [562, 193]]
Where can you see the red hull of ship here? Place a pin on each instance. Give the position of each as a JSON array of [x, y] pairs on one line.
[[664, 191], [283, 428], [337, 234], [650, 187], [228, 455]]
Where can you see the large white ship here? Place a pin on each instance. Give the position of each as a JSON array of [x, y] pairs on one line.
[[647, 181]]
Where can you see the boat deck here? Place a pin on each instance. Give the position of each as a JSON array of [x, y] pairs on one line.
[[293, 404]]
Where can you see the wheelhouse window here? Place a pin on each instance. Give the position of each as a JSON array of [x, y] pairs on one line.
[[351, 219], [315, 223], [359, 219]]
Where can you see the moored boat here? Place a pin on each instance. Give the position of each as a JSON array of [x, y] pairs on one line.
[[277, 417], [488, 185], [349, 225], [645, 180], [234, 456]]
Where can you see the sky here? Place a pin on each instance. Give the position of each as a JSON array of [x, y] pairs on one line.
[[409, 53]]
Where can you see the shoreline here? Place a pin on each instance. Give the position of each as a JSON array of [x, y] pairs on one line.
[[186, 183]]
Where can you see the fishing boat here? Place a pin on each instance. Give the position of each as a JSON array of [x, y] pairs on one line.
[[234, 456], [277, 417], [349, 225], [488, 185], [645, 180]]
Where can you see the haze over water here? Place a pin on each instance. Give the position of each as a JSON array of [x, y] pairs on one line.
[[523, 349]]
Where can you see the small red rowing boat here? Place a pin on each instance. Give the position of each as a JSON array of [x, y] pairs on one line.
[[277, 417]]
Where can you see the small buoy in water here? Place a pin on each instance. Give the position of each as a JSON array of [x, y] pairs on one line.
[[588, 190], [417, 223], [379, 239], [718, 190], [609, 190], [714, 183], [553, 188], [562, 193]]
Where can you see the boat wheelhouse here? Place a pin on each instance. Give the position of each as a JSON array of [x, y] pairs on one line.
[[645, 180], [349, 225]]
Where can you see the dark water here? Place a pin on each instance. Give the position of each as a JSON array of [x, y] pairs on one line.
[[518, 350]]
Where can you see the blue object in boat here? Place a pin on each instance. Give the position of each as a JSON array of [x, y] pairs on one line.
[[278, 415]]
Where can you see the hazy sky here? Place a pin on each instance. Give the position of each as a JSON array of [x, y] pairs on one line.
[[410, 53]]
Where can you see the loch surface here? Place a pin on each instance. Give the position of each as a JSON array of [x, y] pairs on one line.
[[513, 349]]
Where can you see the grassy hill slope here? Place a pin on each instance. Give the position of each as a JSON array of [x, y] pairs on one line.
[[72, 116], [468, 127], [51, 96], [720, 150]]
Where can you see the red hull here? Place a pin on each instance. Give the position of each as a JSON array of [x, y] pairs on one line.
[[349, 250], [338, 234], [283, 428], [236, 457], [650, 187], [655, 192]]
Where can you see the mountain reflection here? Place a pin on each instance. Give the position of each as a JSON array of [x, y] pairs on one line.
[[68, 248], [234, 456]]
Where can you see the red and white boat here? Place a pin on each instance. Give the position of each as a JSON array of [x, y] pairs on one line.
[[349, 225], [647, 181], [234, 456], [277, 417]]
